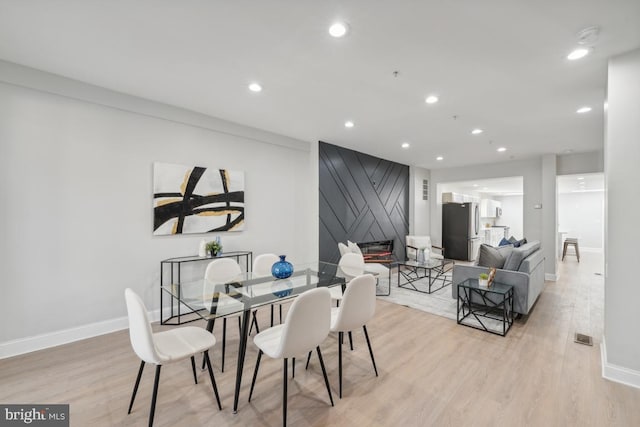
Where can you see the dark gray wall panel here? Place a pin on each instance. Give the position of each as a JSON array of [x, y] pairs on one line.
[[362, 198]]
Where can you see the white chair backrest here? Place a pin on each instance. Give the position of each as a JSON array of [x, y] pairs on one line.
[[344, 249], [358, 304], [140, 332], [307, 323], [353, 247], [418, 242], [351, 265], [262, 264], [223, 270]]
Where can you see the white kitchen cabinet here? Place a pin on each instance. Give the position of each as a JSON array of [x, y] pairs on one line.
[[489, 208]]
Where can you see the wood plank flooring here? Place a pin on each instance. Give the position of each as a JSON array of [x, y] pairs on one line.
[[432, 373]]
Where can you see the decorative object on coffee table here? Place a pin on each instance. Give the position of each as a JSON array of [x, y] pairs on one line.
[[492, 276], [483, 280]]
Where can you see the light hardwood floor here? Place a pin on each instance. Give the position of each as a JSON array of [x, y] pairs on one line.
[[432, 373]]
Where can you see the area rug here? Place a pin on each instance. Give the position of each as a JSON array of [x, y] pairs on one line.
[[439, 302]]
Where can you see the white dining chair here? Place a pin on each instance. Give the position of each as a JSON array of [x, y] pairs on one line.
[[262, 268], [218, 272], [358, 306], [305, 327], [351, 265], [164, 347]]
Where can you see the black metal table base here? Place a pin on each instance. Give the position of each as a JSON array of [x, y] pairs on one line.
[[412, 274], [500, 310]]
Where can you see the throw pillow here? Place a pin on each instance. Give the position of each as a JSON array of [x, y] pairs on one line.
[[504, 242], [491, 257], [354, 248]]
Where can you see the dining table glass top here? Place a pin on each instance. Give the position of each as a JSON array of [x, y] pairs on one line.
[[210, 299]]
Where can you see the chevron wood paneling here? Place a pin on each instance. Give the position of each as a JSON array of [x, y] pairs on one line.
[[362, 198]]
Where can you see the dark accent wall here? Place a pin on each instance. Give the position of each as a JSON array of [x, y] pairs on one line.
[[362, 198]]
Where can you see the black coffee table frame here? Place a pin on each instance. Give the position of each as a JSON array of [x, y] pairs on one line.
[[433, 270]]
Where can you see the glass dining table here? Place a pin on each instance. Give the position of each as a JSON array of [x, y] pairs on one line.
[[246, 292]]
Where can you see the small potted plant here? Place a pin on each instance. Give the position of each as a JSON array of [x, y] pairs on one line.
[[483, 280], [213, 248]]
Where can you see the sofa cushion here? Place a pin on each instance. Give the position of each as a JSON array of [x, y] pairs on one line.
[[514, 260], [493, 257]]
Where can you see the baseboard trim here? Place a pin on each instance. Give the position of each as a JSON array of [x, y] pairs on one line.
[[617, 373], [65, 336], [551, 277]]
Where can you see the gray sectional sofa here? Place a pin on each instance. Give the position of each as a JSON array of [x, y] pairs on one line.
[[523, 268]]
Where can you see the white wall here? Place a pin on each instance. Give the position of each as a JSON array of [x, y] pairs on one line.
[[621, 359], [512, 215], [582, 215], [420, 212], [76, 185], [575, 163]]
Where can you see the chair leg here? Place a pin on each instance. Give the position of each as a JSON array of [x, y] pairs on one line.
[[152, 411], [340, 335], [284, 394], [213, 380], [577, 252], [135, 387], [293, 367], [364, 327], [272, 315], [564, 250], [193, 367], [308, 359], [255, 322], [255, 374], [211, 322], [350, 341], [281, 314], [324, 373], [224, 340]]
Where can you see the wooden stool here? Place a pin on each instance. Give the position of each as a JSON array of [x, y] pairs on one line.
[[573, 242]]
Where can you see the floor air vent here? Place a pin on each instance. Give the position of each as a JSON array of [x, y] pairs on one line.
[[583, 339]]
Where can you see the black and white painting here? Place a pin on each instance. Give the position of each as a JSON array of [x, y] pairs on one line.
[[193, 199]]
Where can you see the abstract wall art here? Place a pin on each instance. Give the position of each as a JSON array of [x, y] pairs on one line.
[[193, 199]]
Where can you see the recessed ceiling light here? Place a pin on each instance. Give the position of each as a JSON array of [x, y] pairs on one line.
[[501, 149], [431, 99], [475, 185], [339, 29], [255, 87], [578, 53], [477, 131], [583, 110], [580, 178], [439, 158], [405, 145], [349, 124]]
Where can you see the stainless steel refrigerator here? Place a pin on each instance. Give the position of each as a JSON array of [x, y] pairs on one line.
[[461, 230]]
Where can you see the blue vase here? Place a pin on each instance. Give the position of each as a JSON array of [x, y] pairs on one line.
[[282, 269]]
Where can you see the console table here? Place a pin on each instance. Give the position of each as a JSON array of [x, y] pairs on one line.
[[173, 266], [488, 309]]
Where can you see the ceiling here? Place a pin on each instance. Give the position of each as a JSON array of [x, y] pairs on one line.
[[507, 186], [499, 65]]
